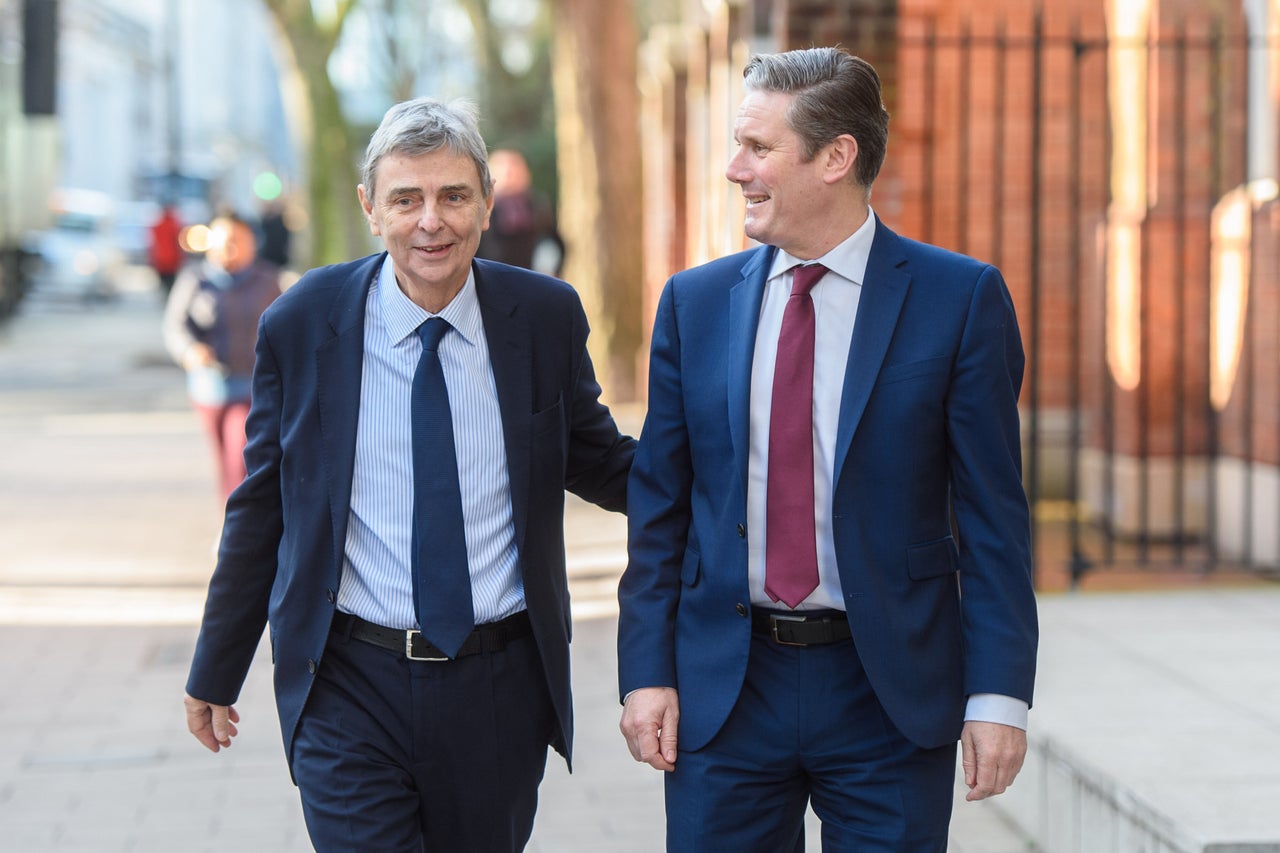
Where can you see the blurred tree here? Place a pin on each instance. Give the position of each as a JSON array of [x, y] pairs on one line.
[[513, 57], [598, 142], [308, 34]]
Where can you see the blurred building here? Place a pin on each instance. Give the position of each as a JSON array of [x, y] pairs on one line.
[[172, 98]]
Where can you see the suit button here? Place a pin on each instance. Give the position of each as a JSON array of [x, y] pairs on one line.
[[742, 531], [311, 667], [741, 608], [328, 593]]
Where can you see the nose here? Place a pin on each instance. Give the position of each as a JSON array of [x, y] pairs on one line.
[[735, 171], [430, 218]]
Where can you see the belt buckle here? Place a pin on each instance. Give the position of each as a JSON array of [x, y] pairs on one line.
[[774, 619], [408, 646]]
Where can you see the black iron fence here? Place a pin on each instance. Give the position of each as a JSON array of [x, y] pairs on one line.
[[1126, 185]]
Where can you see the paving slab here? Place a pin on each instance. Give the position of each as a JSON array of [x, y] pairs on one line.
[[1157, 724]]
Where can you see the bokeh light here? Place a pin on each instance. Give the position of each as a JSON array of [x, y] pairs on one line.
[[267, 186]]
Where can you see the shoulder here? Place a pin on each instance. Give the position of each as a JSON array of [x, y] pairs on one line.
[[502, 284], [927, 259], [321, 285], [728, 269]]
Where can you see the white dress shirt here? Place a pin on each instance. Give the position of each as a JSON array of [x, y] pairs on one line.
[[377, 583], [835, 303]]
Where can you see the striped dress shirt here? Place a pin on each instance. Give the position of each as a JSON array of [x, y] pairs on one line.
[[377, 584]]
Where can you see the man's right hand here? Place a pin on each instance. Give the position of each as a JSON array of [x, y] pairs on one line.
[[649, 721], [213, 725]]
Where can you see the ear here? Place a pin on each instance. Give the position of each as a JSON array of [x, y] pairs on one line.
[[366, 204], [841, 155], [488, 210]]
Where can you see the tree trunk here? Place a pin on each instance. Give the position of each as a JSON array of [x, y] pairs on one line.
[[598, 156], [337, 230]]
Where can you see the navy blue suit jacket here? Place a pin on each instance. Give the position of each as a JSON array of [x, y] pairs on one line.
[[928, 427], [281, 556]]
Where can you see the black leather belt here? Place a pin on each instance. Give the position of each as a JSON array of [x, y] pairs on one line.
[[797, 629], [490, 637]]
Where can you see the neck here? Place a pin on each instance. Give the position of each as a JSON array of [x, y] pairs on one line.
[[430, 299], [832, 232]]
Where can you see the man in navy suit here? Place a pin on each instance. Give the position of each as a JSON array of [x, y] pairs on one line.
[[397, 740], [801, 623]]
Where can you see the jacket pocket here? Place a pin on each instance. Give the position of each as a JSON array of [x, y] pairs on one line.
[[547, 419], [913, 369], [931, 559], [691, 567]]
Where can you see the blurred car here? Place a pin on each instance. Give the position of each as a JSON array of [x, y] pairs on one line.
[[132, 223], [78, 256]]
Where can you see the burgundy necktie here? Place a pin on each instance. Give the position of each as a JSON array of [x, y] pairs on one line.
[[791, 548]]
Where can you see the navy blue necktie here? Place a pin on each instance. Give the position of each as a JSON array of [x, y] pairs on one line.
[[441, 579]]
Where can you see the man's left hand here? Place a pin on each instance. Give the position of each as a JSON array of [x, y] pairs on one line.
[[992, 755]]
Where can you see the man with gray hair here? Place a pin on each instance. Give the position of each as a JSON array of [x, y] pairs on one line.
[[416, 418], [821, 409]]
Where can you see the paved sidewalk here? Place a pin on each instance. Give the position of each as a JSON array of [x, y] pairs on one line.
[[96, 757]]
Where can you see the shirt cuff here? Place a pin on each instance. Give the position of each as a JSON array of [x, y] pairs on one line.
[[995, 708]]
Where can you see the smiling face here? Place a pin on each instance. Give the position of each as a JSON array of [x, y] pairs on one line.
[[786, 196], [429, 210]]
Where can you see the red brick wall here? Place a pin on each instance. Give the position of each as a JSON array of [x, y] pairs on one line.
[[960, 82]]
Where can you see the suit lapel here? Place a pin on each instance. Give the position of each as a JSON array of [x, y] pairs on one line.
[[745, 298], [884, 289], [339, 363], [508, 335]]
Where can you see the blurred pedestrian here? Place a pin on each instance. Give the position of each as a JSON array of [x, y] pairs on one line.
[[165, 251], [522, 230], [417, 417], [210, 328], [273, 225]]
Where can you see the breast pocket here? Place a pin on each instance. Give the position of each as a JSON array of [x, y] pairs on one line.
[[908, 370]]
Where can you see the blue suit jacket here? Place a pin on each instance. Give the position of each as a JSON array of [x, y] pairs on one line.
[[282, 548], [928, 427]]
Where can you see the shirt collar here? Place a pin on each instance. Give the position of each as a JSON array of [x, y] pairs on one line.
[[402, 316], [848, 259]]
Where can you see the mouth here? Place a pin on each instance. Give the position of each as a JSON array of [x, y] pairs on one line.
[[753, 200], [431, 251]]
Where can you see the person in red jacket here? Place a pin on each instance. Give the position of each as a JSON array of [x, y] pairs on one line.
[[166, 250]]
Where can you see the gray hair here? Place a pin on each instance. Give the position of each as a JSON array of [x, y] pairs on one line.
[[423, 125], [835, 93]]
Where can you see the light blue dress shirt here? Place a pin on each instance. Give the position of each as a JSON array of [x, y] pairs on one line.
[[377, 584]]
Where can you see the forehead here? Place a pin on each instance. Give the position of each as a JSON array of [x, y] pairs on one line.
[[398, 171], [763, 113]]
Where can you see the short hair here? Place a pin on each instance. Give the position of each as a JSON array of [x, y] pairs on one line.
[[835, 93], [423, 125]]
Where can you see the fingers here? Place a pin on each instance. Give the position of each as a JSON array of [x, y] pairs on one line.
[[650, 719], [212, 725], [667, 736], [992, 755], [223, 725]]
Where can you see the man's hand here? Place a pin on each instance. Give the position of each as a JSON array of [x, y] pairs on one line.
[[992, 755], [649, 721], [213, 725]]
